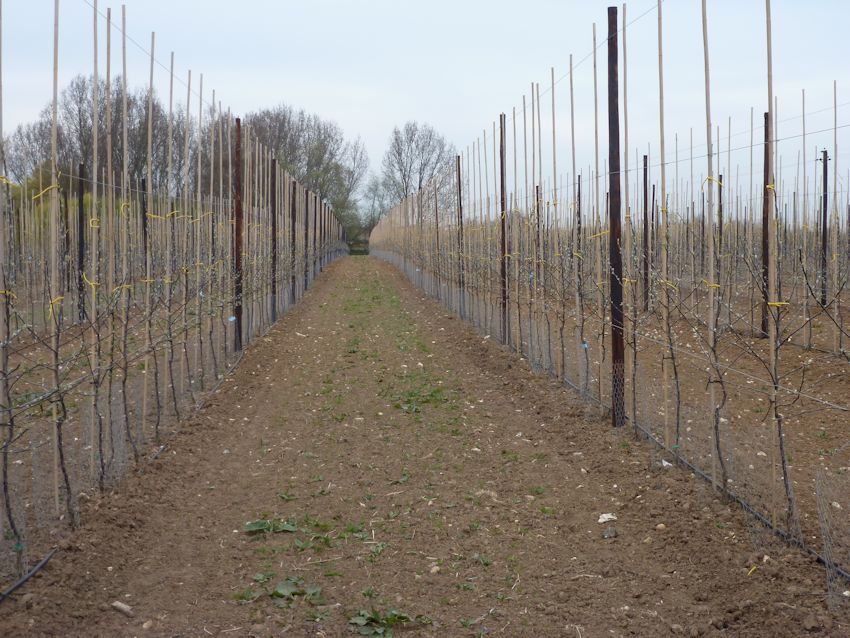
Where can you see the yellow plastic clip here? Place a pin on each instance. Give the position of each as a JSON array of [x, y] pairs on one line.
[[53, 302], [49, 188], [94, 222], [91, 283], [711, 178]]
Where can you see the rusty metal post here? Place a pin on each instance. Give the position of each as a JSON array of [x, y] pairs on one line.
[[273, 213], [292, 235], [618, 351], [316, 205], [645, 233], [237, 237], [306, 238], [460, 275], [503, 207], [322, 237], [823, 229]]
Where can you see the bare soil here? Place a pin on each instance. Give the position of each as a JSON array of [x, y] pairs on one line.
[[404, 462]]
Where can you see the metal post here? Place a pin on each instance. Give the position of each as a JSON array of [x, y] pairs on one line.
[[823, 228], [618, 351], [292, 217], [645, 233], [306, 238], [503, 207], [460, 274], [274, 238], [237, 236]]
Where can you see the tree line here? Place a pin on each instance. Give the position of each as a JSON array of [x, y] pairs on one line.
[[314, 150]]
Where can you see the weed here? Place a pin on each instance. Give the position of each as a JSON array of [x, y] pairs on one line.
[[510, 457], [316, 524], [405, 477], [303, 546], [377, 549], [261, 526], [317, 616], [246, 595], [378, 623], [293, 586]]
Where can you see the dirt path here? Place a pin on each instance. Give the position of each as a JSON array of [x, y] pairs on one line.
[[403, 462]]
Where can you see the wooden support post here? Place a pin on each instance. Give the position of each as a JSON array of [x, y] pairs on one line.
[[81, 245], [765, 230]]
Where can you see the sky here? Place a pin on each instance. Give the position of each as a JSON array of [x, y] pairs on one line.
[[370, 65]]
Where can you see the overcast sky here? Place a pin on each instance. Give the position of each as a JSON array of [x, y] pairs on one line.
[[372, 64]]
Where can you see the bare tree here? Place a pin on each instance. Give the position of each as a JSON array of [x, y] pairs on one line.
[[376, 202], [415, 154]]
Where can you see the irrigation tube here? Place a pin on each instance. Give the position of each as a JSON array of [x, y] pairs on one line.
[[8, 593]]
